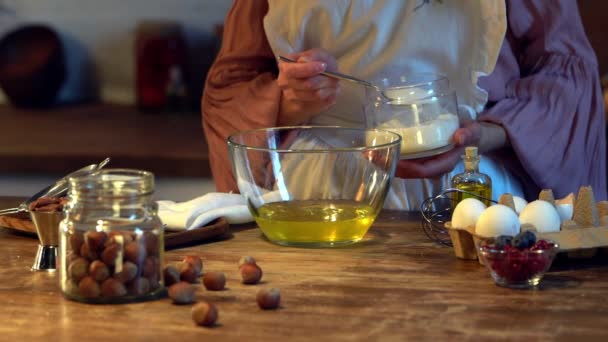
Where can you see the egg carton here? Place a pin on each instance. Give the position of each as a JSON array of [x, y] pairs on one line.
[[587, 230]]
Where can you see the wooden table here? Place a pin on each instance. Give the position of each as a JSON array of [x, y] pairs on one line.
[[396, 285]]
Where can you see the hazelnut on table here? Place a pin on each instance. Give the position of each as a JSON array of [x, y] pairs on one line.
[[204, 314]]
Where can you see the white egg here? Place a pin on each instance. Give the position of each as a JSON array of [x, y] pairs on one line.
[[497, 220], [467, 212], [565, 211], [520, 204], [542, 215]]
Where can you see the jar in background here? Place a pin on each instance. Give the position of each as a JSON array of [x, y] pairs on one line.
[[160, 47], [111, 240]]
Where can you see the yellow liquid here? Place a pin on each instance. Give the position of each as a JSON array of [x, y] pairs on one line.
[[315, 222], [483, 190]]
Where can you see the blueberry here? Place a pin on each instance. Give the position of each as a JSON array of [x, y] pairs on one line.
[[502, 241], [523, 240]]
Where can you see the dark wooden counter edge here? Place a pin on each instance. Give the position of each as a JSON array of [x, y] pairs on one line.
[[61, 165], [55, 141]]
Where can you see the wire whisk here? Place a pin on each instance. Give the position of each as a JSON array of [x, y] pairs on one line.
[[437, 211]]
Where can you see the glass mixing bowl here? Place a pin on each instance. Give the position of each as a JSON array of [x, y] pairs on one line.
[[314, 186], [421, 108]]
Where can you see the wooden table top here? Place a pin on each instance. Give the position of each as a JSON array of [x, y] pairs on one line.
[[396, 285]]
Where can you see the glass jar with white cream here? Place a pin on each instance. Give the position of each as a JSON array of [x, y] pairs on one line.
[[420, 107]]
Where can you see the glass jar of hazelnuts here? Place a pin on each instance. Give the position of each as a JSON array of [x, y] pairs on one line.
[[111, 239]]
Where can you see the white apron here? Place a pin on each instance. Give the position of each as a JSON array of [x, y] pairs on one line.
[[457, 38]]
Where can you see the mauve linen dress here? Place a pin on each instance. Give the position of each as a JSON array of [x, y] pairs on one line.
[[545, 91]]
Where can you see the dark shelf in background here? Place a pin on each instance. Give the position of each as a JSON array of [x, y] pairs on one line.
[[63, 139]]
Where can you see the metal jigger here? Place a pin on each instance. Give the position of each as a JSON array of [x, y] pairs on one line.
[[47, 227]]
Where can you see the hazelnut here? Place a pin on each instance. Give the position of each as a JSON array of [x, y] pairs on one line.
[[111, 254], [269, 299], [195, 261], [99, 271], [117, 237], [78, 269], [204, 314], [150, 267], [251, 273], [71, 256], [95, 240], [135, 253], [87, 252], [70, 287], [187, 272], [127, 273], [246, 260], [170, 275], [139, 286], [182, 293], [76, 241], [88, 288], [113, 288], [150, 240], [114, 236], [128, 237], [214, 281]]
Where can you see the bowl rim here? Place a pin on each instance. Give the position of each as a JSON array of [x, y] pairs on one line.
[[485, 248], [396, 142], [428, 76]]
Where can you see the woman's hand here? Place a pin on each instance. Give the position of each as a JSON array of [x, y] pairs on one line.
[[487, 136], [305, 93]]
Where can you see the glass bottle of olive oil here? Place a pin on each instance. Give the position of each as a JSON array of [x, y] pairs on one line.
[[471, 180]]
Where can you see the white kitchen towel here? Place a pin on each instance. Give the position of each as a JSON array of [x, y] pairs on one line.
[[199, 211]]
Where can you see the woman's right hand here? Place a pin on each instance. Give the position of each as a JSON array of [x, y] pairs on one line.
[[305, 92]]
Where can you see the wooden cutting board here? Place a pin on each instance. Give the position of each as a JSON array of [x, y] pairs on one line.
[[213, 231]]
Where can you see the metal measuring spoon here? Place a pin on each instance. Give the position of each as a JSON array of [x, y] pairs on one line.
[[56, 189], [344, 77]]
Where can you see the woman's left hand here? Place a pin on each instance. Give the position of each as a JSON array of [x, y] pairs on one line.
[[487, 136]]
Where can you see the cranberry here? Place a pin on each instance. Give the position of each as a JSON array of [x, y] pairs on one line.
[[495, 265], [515, 255], [542, 245]]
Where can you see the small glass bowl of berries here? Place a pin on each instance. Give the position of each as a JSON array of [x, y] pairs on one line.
[[520, 261]]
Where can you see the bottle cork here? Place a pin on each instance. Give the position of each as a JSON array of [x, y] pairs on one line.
[[471, 158], [471, 152], [547, 195], [507, 199]]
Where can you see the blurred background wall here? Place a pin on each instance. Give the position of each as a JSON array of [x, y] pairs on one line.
[[99, 36], [99, 39]]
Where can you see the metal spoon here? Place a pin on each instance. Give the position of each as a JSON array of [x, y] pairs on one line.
[[344, 77], [59, 188]]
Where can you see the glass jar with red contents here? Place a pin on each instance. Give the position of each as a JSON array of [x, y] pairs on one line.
[[159, 48]]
